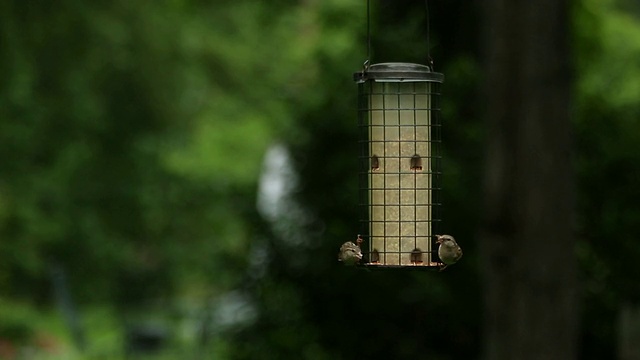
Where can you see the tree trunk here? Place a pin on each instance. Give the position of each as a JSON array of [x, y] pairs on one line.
[[629, 332], [529, 265]]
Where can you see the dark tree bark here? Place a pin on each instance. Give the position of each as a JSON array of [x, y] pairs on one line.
[[529, 265]]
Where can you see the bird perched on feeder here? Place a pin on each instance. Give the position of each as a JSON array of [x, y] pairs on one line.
[[350, 253], [449, 251]]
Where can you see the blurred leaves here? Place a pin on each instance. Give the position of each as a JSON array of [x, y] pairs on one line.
[[132, 131], [608, 164], [607, 156]]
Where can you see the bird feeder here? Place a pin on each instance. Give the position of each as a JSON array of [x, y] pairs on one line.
[[399, 164]]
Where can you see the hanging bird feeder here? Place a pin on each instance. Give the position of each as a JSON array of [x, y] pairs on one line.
[[399, 163]]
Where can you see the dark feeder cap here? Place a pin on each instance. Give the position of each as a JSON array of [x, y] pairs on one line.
[[398, 72]]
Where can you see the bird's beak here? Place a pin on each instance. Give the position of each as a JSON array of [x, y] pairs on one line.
[[439, 239]]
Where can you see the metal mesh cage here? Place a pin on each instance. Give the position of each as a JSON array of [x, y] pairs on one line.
[[399, 164]]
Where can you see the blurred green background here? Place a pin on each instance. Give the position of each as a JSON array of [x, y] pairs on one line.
[[177, 176]]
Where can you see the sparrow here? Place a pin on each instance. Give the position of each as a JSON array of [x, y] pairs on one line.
[[350, 253], [449, 251]]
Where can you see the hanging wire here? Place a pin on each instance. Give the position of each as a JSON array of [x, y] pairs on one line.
[[367, 61], [429, 59]]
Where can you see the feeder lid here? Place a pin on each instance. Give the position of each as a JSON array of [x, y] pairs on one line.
[[395, 71]]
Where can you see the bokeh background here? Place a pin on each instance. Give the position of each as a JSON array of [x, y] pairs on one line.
[[177, 176]]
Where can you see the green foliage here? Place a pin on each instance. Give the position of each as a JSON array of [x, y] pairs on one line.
[[607, 133], [607, 137], [131, 132]]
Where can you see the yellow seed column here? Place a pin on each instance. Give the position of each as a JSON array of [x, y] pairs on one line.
[[400, 188]]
